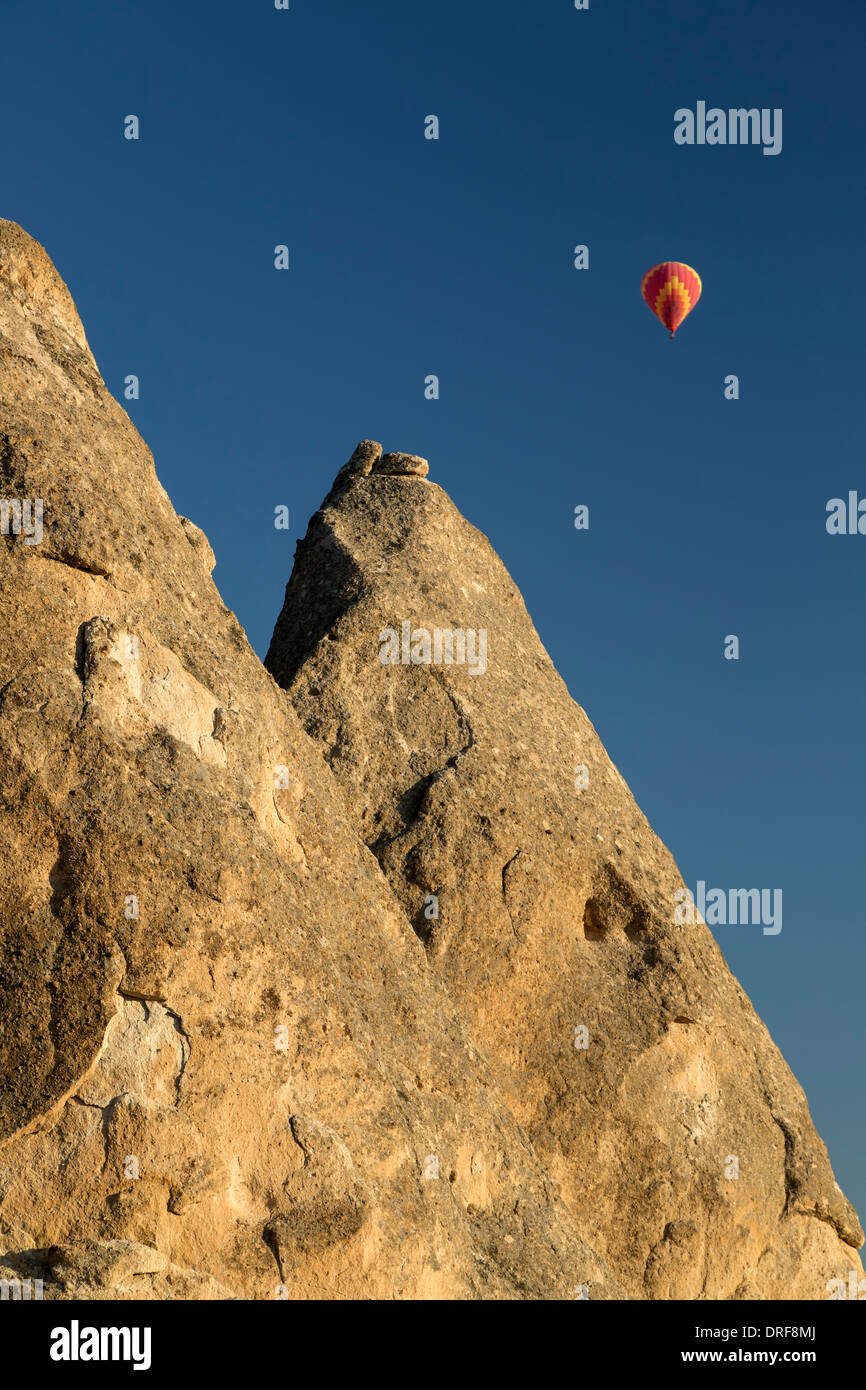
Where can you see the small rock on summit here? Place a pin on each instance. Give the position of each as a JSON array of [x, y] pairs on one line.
[[402, 465]]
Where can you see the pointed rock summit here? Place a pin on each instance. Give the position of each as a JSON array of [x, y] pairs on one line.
[[623, 1046]]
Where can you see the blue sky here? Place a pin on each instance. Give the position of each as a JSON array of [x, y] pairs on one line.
[[558, 387]]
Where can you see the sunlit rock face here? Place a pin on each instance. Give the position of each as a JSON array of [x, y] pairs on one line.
[[225, 1067], [629, 1055], [354, 988]]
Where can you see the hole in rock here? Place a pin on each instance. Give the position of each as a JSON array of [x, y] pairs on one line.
[[594, 926]]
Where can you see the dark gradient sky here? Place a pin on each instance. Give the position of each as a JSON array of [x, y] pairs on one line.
[[558, 387]]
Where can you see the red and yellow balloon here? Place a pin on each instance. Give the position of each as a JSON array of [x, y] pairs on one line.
[[671, 290]]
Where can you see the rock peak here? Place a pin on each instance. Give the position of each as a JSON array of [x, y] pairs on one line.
[[29, 279], [206, 982], [369, 459], [546, 905]]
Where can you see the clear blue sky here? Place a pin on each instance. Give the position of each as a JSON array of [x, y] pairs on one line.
[[410, 257]]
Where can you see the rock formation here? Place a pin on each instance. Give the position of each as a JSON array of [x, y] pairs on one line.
[[225, 1067], [632, 1059], [243, 1056]]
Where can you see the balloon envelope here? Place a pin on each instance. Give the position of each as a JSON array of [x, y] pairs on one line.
[[671, 290]]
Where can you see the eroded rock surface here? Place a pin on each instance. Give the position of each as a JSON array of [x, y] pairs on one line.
[[226, 1068], [290, 983], [626, 1050]]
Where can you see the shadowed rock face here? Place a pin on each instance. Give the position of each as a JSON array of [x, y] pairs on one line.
[[624, 1047], [225, 1063]]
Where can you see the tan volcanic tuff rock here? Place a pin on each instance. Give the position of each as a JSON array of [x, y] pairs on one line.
[[402, 465], [366, 455], [226, 1068], [675, 1132]]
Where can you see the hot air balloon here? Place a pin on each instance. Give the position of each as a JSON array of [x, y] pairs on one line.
[[671, 290]]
